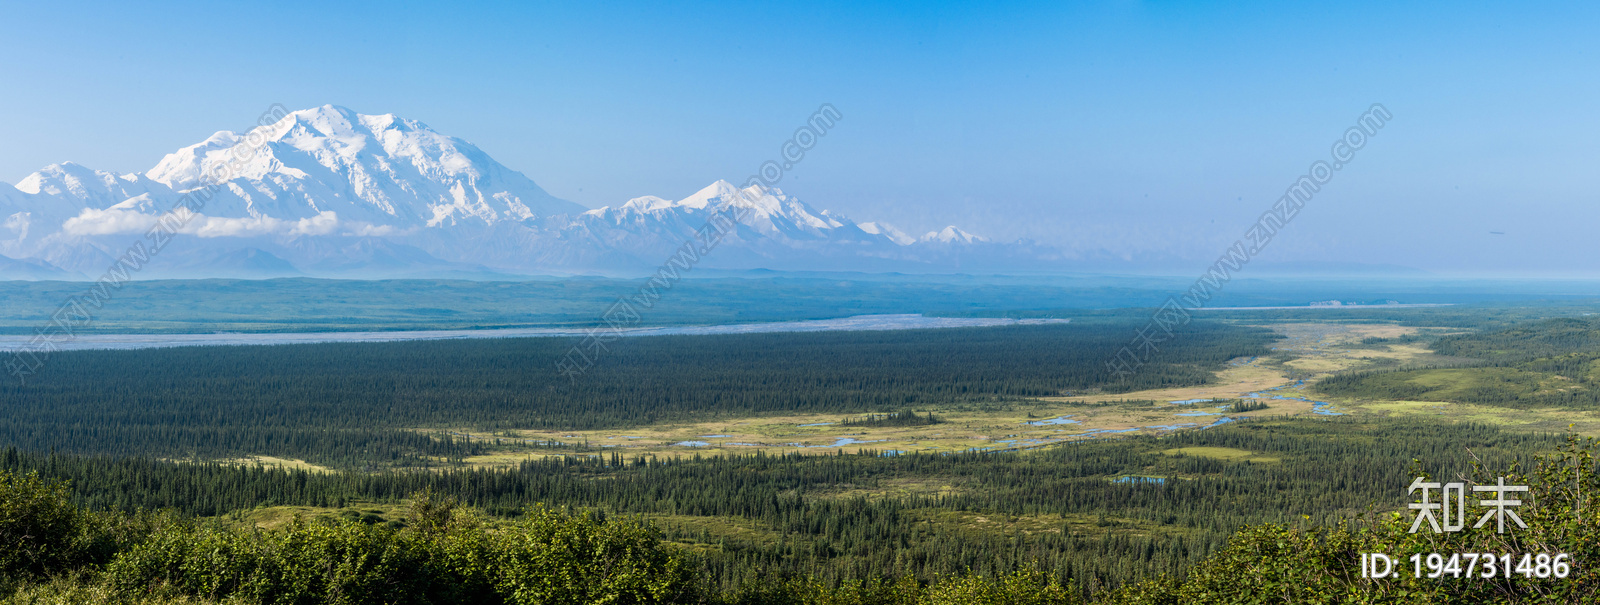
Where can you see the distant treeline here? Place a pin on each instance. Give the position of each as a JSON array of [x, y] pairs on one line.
[[1525, 341], [362, 404], [1240, 406], [906, 418], [1548, 363]]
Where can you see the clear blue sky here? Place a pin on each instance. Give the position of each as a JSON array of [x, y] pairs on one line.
[[1149, 130]]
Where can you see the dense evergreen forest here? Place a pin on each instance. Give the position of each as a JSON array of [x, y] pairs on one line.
[[362, 405], [1097, 515]]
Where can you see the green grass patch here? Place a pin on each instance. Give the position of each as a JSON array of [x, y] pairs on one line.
[[1221, 453]]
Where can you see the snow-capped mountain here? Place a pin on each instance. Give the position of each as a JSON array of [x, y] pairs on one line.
[[952, 235], [327, 191], [374, 170]]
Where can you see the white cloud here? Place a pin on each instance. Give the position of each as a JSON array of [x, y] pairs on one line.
[[18, 223], [93, 221], [211, 226], [114, 220], [370, 230], [321, 224]]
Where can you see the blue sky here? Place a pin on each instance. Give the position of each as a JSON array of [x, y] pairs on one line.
[[1152, 131]]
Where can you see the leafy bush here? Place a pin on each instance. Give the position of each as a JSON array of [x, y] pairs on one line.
[[556, 557], [86, 589], [445, 557], [1021, 588], [346, 562], [39, 526]]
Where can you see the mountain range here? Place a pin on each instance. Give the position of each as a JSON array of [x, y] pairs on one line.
[[330, 192]]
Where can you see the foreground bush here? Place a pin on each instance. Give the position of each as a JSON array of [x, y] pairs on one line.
[[43, 534], [39, 527], [1020, 588], [78, 590], [551, 557], [555, 557]]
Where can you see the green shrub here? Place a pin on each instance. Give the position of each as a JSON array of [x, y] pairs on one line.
[[556, 558], [305, 562], [79, 589], [39, 526], [905, 591], [551, 557], [1020, 588]]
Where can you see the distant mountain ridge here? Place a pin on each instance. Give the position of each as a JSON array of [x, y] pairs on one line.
[[331, 192]]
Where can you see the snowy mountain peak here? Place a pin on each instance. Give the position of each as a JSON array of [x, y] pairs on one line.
[[648, 203], [895, 235], [73, 187], [66, 178], [329, 191], [372, 169], [719, 193], [181, 168], [952, 234], [328, 115]]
